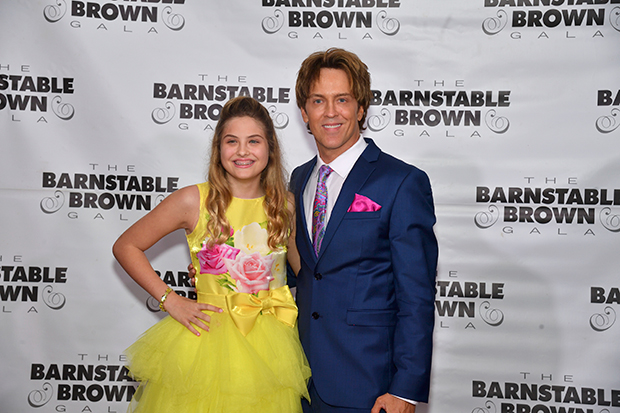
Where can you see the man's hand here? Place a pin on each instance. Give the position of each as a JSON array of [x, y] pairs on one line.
[[392, 404], [191, 274]]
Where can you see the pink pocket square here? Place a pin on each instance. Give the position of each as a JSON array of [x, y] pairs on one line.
[[362, 203]]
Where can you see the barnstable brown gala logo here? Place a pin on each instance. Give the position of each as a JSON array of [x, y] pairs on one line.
[[529, 396], [451, 110], [31, 285], [536, 207], [200, 102], [603, 319], [100, 192], [608, 99], [319, 16], [542, 15], [81, 383], [135, 11], [36, 94], [468, 300]]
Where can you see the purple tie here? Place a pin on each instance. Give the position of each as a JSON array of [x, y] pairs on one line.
[[319, 208]]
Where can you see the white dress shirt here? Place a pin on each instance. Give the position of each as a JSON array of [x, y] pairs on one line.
[[341, 166]]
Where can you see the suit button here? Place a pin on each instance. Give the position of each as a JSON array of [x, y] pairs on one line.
[[318, 276], [315, 315]]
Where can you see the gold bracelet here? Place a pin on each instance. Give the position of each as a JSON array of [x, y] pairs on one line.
[[163, 299]]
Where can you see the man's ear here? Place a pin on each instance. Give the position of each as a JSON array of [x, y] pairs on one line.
[[304, 115]]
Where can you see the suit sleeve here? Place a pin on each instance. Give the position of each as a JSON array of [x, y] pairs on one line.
[[414, 262], [291, 277]]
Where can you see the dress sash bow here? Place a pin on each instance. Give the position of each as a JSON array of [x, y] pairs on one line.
[[245, 308]]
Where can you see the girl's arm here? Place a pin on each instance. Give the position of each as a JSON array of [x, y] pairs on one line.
[[179, 210]]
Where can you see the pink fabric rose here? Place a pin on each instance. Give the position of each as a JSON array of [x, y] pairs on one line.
[[211, 259], [252, 272]]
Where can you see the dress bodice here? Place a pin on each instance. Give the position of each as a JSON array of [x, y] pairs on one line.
[[244, 263]]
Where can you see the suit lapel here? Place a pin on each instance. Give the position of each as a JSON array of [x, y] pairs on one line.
[[352, 185], [305, 247]]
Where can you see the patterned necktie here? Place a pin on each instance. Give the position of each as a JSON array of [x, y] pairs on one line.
[[319, 208]]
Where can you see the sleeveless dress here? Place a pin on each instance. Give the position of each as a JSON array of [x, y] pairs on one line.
[[251, 359]]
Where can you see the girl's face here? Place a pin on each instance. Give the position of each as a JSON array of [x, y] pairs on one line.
[[244, 152]]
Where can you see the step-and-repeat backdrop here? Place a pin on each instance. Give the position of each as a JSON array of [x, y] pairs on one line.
[[511, 106]]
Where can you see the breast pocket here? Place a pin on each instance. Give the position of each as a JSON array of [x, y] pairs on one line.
[[363, 215]]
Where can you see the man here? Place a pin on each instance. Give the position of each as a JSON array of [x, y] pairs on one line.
[[366, 286]]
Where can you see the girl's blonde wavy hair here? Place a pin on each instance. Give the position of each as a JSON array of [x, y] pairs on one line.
[[272, 178]]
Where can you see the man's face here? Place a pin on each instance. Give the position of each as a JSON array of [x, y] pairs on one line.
[[332, 113]]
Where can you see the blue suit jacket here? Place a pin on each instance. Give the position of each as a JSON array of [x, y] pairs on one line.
[[366, 303]]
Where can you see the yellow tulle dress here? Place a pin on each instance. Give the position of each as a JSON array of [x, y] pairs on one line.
[[251, 360]]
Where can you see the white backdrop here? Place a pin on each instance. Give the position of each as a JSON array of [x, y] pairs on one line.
[[511, 106]]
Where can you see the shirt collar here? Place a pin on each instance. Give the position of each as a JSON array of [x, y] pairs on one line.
[[343, 164]]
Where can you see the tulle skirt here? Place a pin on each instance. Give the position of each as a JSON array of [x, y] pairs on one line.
[[220, 371]]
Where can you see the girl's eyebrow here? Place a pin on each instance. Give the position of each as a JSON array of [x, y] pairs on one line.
[[256, 135]]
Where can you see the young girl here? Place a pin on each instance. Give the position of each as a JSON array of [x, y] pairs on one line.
[[237, 348]]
